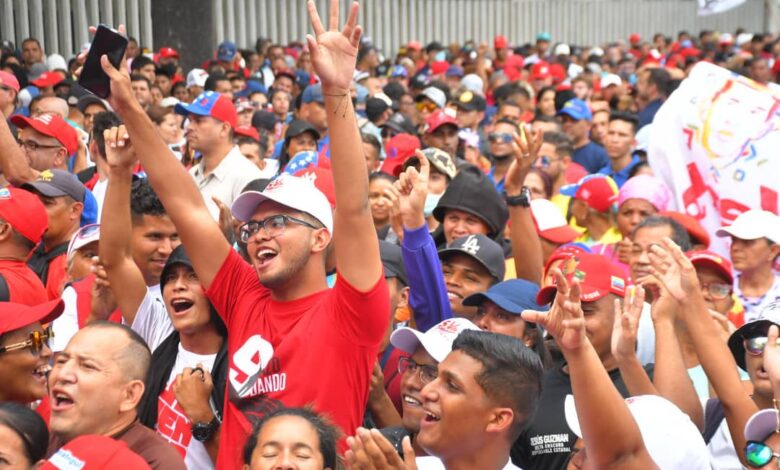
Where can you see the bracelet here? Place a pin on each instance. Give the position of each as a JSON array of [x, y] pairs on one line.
[[777, 416]]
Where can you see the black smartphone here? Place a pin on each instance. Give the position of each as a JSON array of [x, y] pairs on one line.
[[109, 42]]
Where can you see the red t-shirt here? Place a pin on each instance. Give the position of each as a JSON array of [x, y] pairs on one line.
[[55, 281], [319, 350], [24, 286]]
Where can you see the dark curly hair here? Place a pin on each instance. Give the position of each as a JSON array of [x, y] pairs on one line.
[[144, 201]]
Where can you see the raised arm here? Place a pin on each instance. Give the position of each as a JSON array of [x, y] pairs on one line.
[[526, 247], [176, 189], [116, 227], [714, 355], [624, 335], [612, 437], [12, 160], [333, 54]]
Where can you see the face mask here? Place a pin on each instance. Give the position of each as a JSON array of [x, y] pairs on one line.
[[431, 200], [440, 56]]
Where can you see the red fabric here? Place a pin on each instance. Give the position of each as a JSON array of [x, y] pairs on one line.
[[277, 351], [83, 290], [90, 183], [44, 410], [393, 378], [575, 172], [55, 280], [24, 286]]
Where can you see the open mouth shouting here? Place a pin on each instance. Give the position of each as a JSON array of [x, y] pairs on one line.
[[181, 305], [61, 400], [264, 256]]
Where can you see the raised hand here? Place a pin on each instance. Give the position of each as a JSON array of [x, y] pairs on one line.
[[396, 217], [565, 321], [369, 450], [119, 148], [674, 270], [624, 331], [334, 52], [526, 151], [412, 186]]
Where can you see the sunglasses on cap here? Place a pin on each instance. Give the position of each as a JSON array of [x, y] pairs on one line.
[[35, 342], [500, 137], [756, 345], [758, 454], [426, 106]]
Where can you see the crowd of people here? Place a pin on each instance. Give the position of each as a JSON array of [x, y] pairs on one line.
[[319, 256]]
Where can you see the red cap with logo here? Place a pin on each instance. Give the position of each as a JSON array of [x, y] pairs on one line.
[[24, 212], [51, 125], [439, 67], [540, 71], [7, 79], [92, 452], [500, 42], [322, 179], [399, 149], [598, 191], [596, 275], [437, 119], [713, 260], [47, 79], [14, 316], [168, 53]]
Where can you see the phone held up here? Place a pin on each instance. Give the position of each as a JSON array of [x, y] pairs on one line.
[[109, 42]]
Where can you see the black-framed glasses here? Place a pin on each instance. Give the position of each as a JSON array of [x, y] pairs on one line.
[[32, 146], [758, 454], [427, 373], [273, 226], [756, 345], [500, 137], [36, 342], [717, 290]]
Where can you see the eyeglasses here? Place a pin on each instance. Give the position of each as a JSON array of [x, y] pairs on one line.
[[273, 226], [426, 106], [500, 137], [717, 290], [388, 133], [32, 146], [758, 454], [756, 345], [36, 342], [427, 373]]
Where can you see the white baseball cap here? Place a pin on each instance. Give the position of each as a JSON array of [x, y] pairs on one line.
[[434, 94], [437, 341], [562, 49], [83, 237], [611, 79], [753, 224], [197, 77], [550, 223], [294, 192], [671, 438]]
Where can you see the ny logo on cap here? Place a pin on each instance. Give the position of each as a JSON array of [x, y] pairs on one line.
[[471, 245]]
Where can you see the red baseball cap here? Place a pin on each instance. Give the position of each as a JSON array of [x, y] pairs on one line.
[[211, 103], [25, 212], [596, 274], [634, 38], [51, 125], [14, 316], [9, 80], [598, 191], [168, 52], [691, 225], [558, 73], [93, 452], [500, 42], [540, 71], [712, 260], [563, 252], [247, 131], [439, 67], [437, 119], [322, 179], [414, 46], [399, 149], [47, 79]]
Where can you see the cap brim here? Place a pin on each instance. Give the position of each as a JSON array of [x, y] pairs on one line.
[[477, 299], [760, 425], [569, 189], [744, 233], [450, 251], [44, 313], [406, 339], [563, 234], [246, 204], [748, 330], [45, 189], [23, 121], [185, 109], [713, 265], [587, 294]]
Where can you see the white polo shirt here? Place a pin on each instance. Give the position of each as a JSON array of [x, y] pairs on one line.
[[226, 181]]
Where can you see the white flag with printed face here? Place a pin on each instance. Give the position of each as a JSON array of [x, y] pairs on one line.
[[714, 142], [711, 7]]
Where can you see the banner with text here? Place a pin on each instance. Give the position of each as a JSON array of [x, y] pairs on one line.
[[715, 142]]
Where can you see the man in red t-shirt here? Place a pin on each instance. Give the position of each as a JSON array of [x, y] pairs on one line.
[[291, 340], [22, 223]]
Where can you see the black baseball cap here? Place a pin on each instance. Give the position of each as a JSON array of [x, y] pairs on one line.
[[298, 127], [770, 315], [487, 252], [264, 120], [401, 124], [375, 107], [393, 261], [469, 101], [177, 256]]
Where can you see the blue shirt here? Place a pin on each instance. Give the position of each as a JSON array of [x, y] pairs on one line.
[[591, 156], [646, 115], [498, 184], [621, 176]]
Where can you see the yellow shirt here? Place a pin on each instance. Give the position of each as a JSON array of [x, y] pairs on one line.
[[610, 236]]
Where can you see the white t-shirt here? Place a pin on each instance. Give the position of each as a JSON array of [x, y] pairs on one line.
[[152, 321], [429, 462], [99, 191], [721, 448], [67, 324], [172, 424]]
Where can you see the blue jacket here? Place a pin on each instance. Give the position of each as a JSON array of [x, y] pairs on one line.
[[428, 293]]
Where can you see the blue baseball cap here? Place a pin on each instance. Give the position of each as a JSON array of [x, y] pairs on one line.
[[89, 215], [313, 94], [210, 103], [544, 36], [252, 86], [454, 71], [577, 109], [226, 51], [399, 71], [514, 296]]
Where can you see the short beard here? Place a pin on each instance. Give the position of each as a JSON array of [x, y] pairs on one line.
[[287, 272]]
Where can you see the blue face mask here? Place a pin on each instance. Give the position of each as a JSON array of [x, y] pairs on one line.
[[440, 56], [431, 201]]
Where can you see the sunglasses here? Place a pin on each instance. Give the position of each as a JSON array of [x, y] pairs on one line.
[[500, 137], [758, 454], [426, 106], [36, 342], [756, 345]]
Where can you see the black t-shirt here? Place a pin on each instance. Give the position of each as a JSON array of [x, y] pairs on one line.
[[547, 442]]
